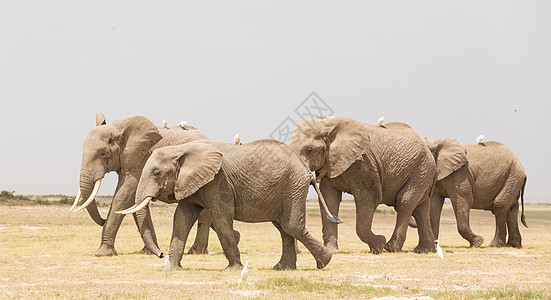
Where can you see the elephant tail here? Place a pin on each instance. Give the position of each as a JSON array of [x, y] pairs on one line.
[[522, 216]]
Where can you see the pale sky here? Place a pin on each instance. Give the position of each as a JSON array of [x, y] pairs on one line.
[[448, 68]]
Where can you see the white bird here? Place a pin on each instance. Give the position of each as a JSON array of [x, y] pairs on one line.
[[480, 139], [165, 123], [183, 123], [439, 250], [245, 271], [166, 265], [381, 120], [237, 139]]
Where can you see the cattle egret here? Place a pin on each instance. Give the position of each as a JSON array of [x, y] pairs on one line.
[[439, 250], [166, 265], [245, 271], [381, 121], [237, 139], [480, 139], [165, 123], [183, 123]]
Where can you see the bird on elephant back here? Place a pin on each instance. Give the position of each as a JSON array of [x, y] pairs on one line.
[[387, 164], [260, 181], [485, 176], [123, 147]]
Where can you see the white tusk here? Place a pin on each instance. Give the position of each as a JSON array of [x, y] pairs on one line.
[[134, 209], [92, 197], [77, 199]]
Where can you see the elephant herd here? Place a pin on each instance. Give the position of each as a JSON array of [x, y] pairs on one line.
[[214, 183]]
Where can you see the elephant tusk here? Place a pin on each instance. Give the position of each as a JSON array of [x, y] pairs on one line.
[[134, 209], [92, 196], [322, 173], [330, 217], [77, 199]]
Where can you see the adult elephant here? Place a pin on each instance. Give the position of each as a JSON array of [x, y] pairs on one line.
[[261, 181], [376, 164], [124, 147], [484, 176]]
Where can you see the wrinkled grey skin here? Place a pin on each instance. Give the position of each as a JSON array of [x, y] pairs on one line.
[[254, 182], [124, 147], [484, 176], [378, 165]]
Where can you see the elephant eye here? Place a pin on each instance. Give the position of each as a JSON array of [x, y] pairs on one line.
[[156, 172], [308, 150]]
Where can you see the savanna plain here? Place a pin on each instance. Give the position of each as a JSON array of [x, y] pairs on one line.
[[47, 252]]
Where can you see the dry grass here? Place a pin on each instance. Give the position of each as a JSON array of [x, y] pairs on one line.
[[46, 252]]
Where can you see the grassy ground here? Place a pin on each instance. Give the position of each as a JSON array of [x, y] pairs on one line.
[[46, 252]]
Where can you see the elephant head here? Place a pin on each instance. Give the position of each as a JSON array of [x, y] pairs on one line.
[[449, 155], [329, 145], [174, 172], [120, 147]]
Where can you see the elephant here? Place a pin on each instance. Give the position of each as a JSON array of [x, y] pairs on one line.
[[387, 164], [124, 147], [484, 176], [260, 181]]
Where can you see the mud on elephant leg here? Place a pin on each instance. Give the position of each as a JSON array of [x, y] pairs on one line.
[[514, 239], [426, 237], [185, 216], [288, 259]]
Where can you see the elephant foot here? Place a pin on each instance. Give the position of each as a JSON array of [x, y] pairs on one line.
[[198, 250], [332, 246], [476, 242], [323, 261], [234, 267], [377, 245], [514, 244], [106, 250], [282, 266], [425, 247], [146, 251], [496, 242], [393, 245], [171, 267]]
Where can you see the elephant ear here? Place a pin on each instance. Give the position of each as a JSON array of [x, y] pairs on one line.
[[100, 119], [449, 155], [348, 140], [137, 136], [199, 163]]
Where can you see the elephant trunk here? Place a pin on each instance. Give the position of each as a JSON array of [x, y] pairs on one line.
[[330, 217], [86, 187], [145, 225]]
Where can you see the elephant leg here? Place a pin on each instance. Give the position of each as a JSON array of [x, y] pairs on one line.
[[462, 207], [408, 199], [202, 237], [223, 226], [288, 259], [426, 238], [436, 204], [501, 228], [185, 216], [333, 198], [514, 239], [365, 208], [321, 253]]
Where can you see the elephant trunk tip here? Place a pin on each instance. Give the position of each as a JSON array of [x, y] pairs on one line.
[[161, 254], [334, 219]]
